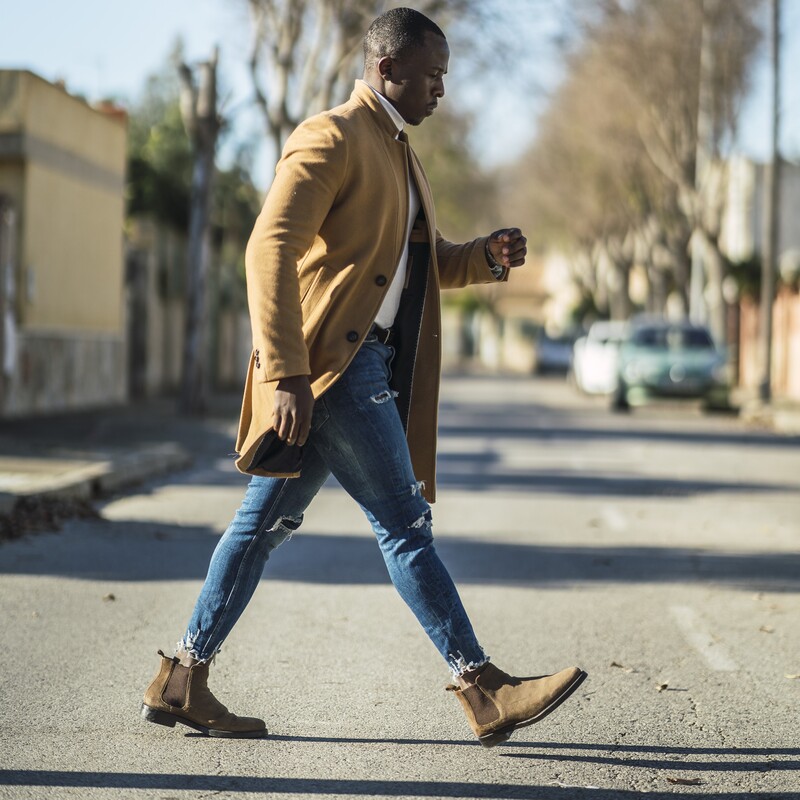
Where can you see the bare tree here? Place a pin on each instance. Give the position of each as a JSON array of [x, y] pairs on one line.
[[590, 187], [198, 101], [618, 172], [686, 62], [305, 54]]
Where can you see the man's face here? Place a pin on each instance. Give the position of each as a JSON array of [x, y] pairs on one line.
[[417, 81]]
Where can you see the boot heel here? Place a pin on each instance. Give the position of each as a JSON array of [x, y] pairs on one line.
[[159, 717], [493, 739]]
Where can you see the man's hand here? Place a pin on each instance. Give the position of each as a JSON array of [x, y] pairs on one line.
[[294, 404], [508, 247]]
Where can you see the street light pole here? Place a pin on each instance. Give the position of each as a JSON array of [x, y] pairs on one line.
[[698, 311], [771, 216]]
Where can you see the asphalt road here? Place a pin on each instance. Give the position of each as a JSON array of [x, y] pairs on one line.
[[659, 551]]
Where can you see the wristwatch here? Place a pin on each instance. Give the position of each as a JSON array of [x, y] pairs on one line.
[[498, 270]]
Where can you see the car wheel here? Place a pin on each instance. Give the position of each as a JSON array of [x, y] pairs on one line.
[[718, 405], [619, 399]]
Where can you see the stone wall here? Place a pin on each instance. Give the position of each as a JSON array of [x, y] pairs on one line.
[[61, 372], [785, 345]]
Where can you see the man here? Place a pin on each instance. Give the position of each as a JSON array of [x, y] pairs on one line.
[[344, 268]]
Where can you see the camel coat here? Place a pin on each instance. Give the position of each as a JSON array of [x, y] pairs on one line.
[[320, 259]]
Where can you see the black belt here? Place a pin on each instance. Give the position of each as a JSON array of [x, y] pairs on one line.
[[384, 334]]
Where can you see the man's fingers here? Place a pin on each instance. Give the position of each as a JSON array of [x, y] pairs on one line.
[[509, 247], [506, 235], [291, 428], [281, 422], [515, 247], [294, 430], [303, 435], [513, 255], [304, 416]]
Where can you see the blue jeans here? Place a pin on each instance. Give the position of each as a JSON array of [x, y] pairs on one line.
[[357, 435]]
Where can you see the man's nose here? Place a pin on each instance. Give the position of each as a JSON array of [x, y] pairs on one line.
[[438, 88]]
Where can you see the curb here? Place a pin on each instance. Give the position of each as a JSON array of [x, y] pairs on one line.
[[101, 478], [776, 418]]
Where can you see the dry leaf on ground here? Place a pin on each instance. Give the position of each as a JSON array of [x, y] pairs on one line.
[[685, 781], [621, 666]]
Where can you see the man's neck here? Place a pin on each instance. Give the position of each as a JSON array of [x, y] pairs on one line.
[[387, 104]]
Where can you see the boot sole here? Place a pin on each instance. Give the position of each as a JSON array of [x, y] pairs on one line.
[[504, 734], [170, 720]]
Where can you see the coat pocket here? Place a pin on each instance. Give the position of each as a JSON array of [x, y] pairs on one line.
[[318, 298], [311, 290]]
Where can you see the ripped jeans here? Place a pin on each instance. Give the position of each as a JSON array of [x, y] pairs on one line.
[[357, 435]]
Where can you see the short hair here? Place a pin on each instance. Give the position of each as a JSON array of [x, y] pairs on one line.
[[395, 34]]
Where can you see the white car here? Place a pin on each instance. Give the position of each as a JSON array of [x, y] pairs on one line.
[[594, 358]]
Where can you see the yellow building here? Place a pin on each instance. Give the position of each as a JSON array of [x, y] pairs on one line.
[[62, 195]]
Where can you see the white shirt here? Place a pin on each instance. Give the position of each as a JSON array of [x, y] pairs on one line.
[[391, 302]]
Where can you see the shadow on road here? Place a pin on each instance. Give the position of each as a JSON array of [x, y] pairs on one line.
[[476, 472], [139, 551], [343, 788], [508, 422]]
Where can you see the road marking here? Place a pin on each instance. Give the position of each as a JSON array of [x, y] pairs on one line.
[[614, 518], [713, 652]]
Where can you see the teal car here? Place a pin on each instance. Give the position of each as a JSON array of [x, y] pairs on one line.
[[670, 360]]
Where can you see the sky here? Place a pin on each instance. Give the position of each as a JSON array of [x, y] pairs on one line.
[[103, 49]]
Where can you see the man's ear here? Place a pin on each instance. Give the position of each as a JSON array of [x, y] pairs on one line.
[[385, 68]]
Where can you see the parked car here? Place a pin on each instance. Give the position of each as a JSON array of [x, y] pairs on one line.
[[594, 358], [553, 353], [670, 360]]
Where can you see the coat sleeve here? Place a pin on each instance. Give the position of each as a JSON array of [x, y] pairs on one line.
[[461, 265], [307, 181]]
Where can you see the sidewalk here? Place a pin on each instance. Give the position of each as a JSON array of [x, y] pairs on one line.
[[781, 415], [52, 467]]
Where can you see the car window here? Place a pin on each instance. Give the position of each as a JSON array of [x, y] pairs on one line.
[[673, 338], [650, 337], [696, 339]]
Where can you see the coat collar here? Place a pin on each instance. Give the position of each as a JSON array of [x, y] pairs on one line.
[[363, 95]]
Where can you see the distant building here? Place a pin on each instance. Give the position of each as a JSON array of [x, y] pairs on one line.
[[62, 193], [743, 220], [742, 239]]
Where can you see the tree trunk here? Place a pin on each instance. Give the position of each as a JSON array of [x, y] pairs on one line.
[[8, 259], [771, 216], [202, 123], [714, 299], [194, 387]]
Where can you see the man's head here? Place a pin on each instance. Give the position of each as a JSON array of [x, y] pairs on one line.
[[405, 58]]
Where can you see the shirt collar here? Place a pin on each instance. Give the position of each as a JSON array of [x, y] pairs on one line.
[[390, 109]]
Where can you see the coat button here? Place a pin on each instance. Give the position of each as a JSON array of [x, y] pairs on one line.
[[381, 280], [352, 336]]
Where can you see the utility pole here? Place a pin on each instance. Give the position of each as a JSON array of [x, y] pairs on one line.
[[7, 259], [771, 215], [698, 312]]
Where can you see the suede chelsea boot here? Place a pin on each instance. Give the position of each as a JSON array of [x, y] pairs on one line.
[[181, 694], [496, 703]]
